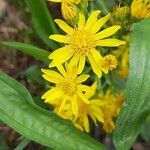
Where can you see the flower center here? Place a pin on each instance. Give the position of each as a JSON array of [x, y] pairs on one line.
[[68, 87], [81, 42]]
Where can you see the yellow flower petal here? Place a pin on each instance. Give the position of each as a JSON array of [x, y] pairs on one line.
[[89, 93], [51, 76], [62, 104], [110, 43], [82, 78], [107, 32], [97, 102], [95, 67], [86, 123], [49, 92], [57, 1], [94, 119], [78, 126], [81, 20], [97, 26], [54, 64], [74, 61], [61, 55], [92, 19], [54, 96], [84, 88], [99, 116], [62, 70], [81, 64], [72, 71], [96, 111], [97, 56], [64, 26], [77, 1], [59, 38], [108, 125], [83, 97], [74, 105]]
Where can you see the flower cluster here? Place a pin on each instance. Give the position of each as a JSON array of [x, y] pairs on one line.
[[139, 9], [126, 16], [73, 93], [75, 101]]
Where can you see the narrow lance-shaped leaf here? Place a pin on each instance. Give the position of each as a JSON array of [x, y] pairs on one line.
[[137, 104], [42, 21], [31, 50], [18, 110]]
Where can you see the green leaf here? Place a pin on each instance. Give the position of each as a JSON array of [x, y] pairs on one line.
[[137, 104], [19, 111], [145, 130], [31, 50], [42, 21]]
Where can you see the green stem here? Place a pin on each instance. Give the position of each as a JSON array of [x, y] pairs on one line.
[[23, 144], [101, 4]]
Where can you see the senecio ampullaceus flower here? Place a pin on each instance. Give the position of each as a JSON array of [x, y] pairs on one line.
[[81, 42], [94, 49]]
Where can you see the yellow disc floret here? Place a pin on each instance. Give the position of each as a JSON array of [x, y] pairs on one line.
[[68, 86], [81, 42]]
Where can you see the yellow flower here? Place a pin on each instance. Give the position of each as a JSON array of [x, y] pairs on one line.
[[82, 40], [69, 11], [109, 62], [123, 58], [85, 111], [110, 106], [122, 54], [68, 8], [123, 72], [140, 9], [91, 110], [108, 125], [121, 13], [67, 87], [65, 112]]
